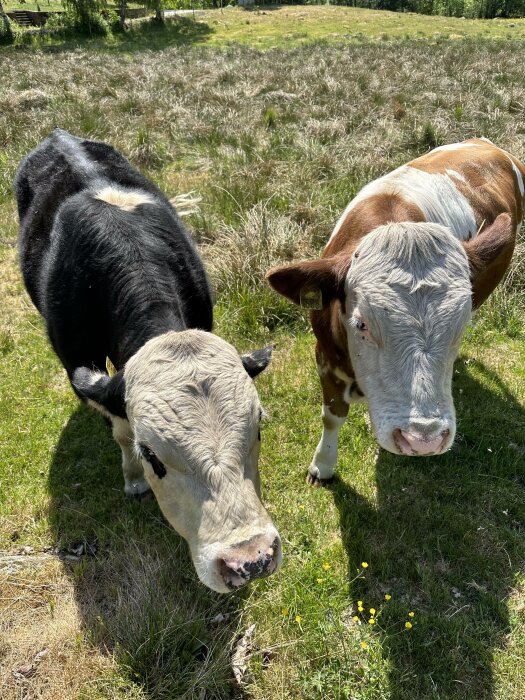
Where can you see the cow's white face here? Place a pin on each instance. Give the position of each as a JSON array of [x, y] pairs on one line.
[[193, 408], [194, 415], [408, 300]]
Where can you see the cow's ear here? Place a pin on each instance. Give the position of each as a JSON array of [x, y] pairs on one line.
[[489, 255], [257, 361], [102, 392], [312, 283]]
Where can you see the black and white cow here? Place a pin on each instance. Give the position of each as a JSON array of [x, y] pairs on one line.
[[108, 264]]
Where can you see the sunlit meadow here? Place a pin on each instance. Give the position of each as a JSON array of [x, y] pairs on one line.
[[404, 579]]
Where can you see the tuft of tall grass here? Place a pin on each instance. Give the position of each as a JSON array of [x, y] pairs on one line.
[[238, 257]]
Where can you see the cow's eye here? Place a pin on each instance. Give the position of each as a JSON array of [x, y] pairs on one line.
[[148, 454], [361, 326]]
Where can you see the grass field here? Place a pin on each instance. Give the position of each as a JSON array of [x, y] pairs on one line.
[[275, 143], [274, 26]]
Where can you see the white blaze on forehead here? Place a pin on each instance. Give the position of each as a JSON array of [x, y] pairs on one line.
[[127, 200], [422, 254]]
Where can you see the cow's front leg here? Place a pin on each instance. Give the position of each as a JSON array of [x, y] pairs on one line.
[[135, 485], [334, 412]]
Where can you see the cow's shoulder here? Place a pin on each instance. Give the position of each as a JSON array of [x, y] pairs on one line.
[[489, 178]]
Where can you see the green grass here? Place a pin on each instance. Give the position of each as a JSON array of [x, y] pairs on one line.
[[276, 26], [289, 26], [47, 5], [44, 6], [275, 155]]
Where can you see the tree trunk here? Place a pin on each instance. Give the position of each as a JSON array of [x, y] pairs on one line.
[[122, 14], [159, 14]]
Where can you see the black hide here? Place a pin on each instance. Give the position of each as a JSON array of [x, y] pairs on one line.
[[106, 280]]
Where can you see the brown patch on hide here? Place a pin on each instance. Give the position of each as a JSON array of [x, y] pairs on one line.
[[367, 215], [331, 354], [489, 256], [489, 183]]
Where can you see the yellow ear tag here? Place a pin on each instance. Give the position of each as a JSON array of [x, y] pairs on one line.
[[311, 298], [110, 367]]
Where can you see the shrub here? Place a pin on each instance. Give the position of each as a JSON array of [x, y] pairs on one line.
[[6, 31], [84, 17]]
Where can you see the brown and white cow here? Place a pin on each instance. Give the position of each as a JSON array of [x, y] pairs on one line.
[[414, 252]]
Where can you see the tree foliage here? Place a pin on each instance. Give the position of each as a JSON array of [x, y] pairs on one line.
[[86, 15], [482, 9], [6, 31]]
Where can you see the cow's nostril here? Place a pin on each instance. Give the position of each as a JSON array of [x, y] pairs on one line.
[[232, 573]]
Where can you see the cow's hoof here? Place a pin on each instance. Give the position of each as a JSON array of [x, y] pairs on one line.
[[314, 479], [138, 491]]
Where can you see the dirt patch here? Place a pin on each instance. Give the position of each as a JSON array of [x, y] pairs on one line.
[[41, 650]]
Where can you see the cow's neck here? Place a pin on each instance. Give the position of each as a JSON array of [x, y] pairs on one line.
[[144, 323], [366, 215]]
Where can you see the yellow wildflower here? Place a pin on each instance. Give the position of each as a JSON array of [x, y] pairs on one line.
[[301, 507], [360, 608], [285, 611], [371, 621], [359, 603], [411, 614], [355, 618], [387, 596], [372, 611], [320, 580], [298, 618], [364, 564], [327, 566], [364, 645], [408, 625]]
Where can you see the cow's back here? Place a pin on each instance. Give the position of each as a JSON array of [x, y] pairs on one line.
[[463, 186], [490, 180], [104, 255], [117, 278], [59, 167]]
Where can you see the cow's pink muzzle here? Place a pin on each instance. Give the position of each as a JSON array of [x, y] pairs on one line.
[[419, 445]]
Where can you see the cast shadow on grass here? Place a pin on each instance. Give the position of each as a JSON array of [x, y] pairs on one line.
[[136, 590], [446, 542], [148, 35]]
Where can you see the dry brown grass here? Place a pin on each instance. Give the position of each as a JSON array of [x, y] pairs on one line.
[[41, 645]]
